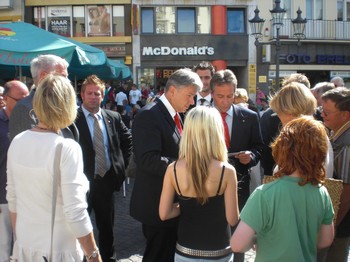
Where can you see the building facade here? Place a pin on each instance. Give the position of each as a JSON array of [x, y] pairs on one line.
[[173, 34], [105, 25], [321, 55]]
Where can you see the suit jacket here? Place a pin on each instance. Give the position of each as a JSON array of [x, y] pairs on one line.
[[270, 128], [245, 135], [156, 144], [23, 118], [119, 140]]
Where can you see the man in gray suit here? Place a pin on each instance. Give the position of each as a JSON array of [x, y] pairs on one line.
[[22, 116]]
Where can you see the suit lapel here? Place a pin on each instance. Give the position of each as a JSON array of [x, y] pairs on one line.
[[168, 117], [108, 123], [236, 122]]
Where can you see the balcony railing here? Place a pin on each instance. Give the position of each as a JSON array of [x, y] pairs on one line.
[[317, 29]]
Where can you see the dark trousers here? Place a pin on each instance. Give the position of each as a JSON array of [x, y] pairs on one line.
[[160, 243], [101, 201]]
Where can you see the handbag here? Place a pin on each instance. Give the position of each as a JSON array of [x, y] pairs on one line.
[[56, 178]]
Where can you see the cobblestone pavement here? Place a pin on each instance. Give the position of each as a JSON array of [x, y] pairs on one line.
[[128, 236]]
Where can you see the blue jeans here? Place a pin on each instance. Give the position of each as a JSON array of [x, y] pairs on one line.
[[179, 258]]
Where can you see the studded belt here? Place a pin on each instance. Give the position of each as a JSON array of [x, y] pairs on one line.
[[203, 253]]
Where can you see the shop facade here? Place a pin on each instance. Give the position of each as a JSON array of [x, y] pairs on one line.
[[105, 25], [169, 37]]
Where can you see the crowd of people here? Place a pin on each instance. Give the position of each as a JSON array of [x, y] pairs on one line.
[[196, 144]]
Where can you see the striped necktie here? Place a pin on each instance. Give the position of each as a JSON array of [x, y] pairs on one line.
[[101, 159]]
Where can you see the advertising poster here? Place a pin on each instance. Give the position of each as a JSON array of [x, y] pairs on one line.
[[99, 20], [59, 20]]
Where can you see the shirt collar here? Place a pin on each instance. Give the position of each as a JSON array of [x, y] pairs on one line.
[[207, 97], [168, 106], [87, 113]]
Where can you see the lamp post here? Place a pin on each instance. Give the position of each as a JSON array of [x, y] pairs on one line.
[[278, 13]]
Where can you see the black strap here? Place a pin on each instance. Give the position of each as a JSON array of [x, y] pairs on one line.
[[177, 183], [222, 175]]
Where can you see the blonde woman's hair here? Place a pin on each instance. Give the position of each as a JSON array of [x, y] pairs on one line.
[[54, 102], [242, 93], [202, 141], [294, 99], [302, 146]]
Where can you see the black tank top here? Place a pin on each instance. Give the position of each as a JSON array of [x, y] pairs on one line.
[[203, 227]]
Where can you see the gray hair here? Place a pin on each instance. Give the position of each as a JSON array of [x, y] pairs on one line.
[[182, 78], [46, 63], [338, 81], [322, 87]]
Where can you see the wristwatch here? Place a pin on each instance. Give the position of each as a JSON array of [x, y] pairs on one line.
[[94, 254]]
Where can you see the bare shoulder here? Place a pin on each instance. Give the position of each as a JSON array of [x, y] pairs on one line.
[[229, 168]]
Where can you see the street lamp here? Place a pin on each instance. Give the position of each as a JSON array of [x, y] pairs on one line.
[[278, 13]]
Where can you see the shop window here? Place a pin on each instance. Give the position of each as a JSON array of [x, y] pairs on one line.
[[118, 20], [186, 20], [145, 76], [58, 20], [40, 17], [78, 21], [147, 20], [99, 20], [236, 21]]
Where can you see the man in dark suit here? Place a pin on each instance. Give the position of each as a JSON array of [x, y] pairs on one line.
[[156, 137], [22, 116], [116, 143], [243, 133]]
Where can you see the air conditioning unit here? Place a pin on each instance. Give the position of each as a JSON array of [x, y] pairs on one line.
[[6, 4]]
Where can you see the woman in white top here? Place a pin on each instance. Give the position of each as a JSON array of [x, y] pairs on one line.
[[30, 181]]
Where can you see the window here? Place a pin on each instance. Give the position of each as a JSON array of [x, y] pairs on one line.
[[286, 5], [58, 20], [165, 20], [203, 20], [186, 20], [118, 21], [40, 17], [147, 21], [236, 21], [78, 21], [171, 19], [99, 20], [343, 10], [145, 76], [314, 9]]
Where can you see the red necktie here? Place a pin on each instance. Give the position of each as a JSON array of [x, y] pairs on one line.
[[178, 123], [226, 132]]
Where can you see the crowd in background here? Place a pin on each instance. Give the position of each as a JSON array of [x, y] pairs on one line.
[[201, 146]]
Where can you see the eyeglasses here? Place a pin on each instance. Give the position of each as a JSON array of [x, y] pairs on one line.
[[16, 99], [327, 113]]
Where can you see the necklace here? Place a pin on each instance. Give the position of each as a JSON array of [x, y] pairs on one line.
[[45, 129], [42, 128]]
